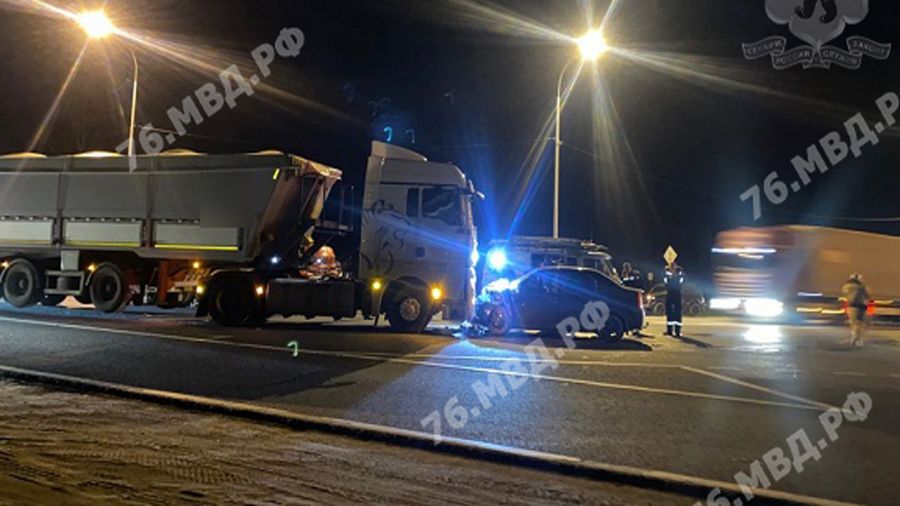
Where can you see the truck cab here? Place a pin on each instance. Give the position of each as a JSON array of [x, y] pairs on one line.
[[418, 237]]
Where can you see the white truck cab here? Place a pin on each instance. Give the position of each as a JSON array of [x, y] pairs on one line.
[[418, 235]]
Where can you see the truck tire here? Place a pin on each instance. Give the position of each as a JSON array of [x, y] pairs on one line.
[[109, 289], [409, 311], [614, 330], [22, 284], [231, 303]]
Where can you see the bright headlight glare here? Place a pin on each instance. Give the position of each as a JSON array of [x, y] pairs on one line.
[[725, 304], [764, 308], [497, 260]]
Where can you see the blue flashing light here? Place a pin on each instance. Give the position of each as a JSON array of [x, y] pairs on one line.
[[497, 260]]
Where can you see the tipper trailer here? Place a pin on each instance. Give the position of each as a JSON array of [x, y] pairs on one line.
[[234, 233]]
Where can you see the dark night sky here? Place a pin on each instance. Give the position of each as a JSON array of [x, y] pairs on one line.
[[479, 98]]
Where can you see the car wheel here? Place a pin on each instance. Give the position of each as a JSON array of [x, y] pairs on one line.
[[694, 310], [409, 311], [109, 290], [498, 321], [22, 284], [614, 330], [659, 309]]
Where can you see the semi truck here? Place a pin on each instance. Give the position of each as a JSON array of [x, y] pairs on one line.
[[234, 235], [799, 271]]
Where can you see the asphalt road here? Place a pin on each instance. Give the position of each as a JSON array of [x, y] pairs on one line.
[[708, 405]]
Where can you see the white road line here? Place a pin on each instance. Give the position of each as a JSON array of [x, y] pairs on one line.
[[724, 368], [777, 393], [476, 358], [807, 405], [422, 437], [849, 373]]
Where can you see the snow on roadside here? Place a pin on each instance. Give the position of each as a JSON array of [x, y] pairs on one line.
[[67, 448]]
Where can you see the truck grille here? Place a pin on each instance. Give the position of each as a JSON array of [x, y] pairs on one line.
[[742, 283]]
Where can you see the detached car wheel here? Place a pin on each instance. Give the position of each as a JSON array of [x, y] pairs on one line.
[[498, 321]]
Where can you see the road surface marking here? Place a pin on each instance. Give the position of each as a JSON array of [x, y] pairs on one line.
[[364, 430], [777, 393], [807, 405], [895, 375], [476, 358], [724, 368], [849, 373]]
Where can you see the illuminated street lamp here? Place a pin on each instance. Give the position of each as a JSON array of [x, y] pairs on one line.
[[98, 26], [591, 46]]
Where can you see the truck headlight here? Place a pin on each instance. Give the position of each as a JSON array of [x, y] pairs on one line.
[[723, 304], [764, 308]]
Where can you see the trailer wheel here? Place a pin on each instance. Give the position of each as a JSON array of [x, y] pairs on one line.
[[22, 284], [409, 311], [231, 303], [109, 289]]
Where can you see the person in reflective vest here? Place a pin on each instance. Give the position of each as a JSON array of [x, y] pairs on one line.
[[857, 296], [674, 279]]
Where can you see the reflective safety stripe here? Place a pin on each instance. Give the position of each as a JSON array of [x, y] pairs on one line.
[[676, 323]]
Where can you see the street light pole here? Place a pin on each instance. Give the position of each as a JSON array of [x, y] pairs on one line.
[[558, 142], [592, 45], [97, 25], [134, 97]]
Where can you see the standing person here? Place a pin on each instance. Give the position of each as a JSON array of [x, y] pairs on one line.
[[674, 279], [626, 273], [857, 296]]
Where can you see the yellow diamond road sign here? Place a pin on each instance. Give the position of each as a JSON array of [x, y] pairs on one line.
[[670, 255]]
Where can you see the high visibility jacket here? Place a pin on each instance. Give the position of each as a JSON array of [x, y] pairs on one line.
[[856, 293]]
